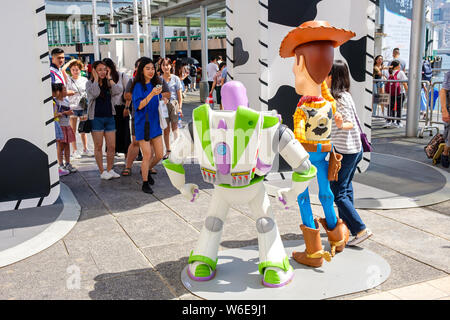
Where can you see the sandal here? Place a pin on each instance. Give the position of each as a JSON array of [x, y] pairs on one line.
[[167, 155], [126, 172]]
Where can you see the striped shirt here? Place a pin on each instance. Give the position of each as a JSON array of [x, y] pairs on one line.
[[346, 141]]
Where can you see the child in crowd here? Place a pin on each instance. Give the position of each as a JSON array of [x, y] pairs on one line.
[[63, 131]]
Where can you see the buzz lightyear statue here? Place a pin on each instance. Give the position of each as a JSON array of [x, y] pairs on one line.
[[236, 147]]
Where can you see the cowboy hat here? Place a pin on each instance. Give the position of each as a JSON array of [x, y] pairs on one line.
[[313, 31]]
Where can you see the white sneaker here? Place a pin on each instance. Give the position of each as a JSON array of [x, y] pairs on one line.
[[387, 125], [75, 155], [113, 174], [106, 175], [360, 237], [87, 153], [62, 171], [400, 125]]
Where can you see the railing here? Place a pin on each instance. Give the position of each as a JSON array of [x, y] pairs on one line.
[[385, 105]]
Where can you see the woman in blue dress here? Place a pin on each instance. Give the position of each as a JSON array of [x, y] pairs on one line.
[[146, 91]]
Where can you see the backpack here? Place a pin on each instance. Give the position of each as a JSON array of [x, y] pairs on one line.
[[393, 87], [427, 72], [433, 145]]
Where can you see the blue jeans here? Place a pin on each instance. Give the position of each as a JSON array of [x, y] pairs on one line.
[[343, 192], [325, 193]]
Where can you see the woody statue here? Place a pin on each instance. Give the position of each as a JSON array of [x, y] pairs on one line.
[[312, 44]]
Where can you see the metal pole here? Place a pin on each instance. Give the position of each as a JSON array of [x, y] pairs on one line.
[[112, 30], [162, 38], [149, 31], [188, 36], [95, 31], [145, 26], [136, 27], [415, 67], [204, 88]]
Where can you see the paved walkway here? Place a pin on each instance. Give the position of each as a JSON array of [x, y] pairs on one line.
[[130, 245]]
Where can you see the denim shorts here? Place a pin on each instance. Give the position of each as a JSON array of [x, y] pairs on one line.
[[79, 113], [105, 124]]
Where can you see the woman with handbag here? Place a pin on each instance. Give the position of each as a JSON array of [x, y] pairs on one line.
[[146, 94], [78, 104], [346, 136]]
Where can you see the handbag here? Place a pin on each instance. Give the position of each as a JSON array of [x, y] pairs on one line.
[[85, 126], [83, 101], [163, 114], [367, 147]]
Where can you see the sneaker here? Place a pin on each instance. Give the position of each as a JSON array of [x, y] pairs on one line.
[[69, 168], [146, 187], [62, 171], [75, 155], [360, 237], [113, 174], [388, 124], [400, 125], [87, 153], [106, 175], [444, 161]]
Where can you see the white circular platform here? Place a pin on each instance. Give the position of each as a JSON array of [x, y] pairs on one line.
[[237, 277], [390, 182], [32, 230]]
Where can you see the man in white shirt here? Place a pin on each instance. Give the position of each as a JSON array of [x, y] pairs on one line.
[[211, 70], [396, 56]]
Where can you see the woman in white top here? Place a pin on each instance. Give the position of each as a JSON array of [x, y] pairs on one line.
[[345, 136], [77, 84]]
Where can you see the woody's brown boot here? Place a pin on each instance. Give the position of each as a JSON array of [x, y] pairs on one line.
[[314, 253], [338, 237]]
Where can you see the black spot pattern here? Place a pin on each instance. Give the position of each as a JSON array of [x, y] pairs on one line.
[[307, 126], [292, 13], [354, 51], [285, 102], [311, 112], [319, 131], [240, 56], [25, 172]]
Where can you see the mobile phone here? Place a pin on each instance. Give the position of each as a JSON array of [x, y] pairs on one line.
[[158, 86]]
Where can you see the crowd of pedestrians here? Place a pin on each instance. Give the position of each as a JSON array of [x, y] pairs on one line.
[[104, 104]]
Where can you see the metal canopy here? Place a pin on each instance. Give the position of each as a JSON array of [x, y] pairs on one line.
[[172, 8]]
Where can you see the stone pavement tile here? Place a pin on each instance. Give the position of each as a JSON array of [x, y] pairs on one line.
[[143, 284], [169, 260], [98, 225], [410, 241], [114, 254], [193, 212], [157, 228], [442, 284], [379, 296], [421, 218], [50, 293], [52, 267], [443, 207], [85, 196], [420, 291], [404, 270]]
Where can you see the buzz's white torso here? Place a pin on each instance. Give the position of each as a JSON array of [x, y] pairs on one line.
[[234, 146]]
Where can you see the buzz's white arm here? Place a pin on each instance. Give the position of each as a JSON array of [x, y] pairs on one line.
[[181, 149], [296, 156]]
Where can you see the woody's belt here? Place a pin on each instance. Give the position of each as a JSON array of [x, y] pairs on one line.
[[313, 147]]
